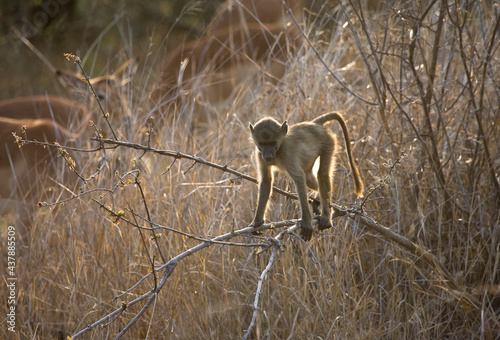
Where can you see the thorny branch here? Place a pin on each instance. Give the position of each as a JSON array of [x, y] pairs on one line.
[[418, 251]]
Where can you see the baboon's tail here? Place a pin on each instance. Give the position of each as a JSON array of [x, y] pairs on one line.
[[321, 120]]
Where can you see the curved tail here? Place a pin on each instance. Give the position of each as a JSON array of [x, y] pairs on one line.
[[321, 120]]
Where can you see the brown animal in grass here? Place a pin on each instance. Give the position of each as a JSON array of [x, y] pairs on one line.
[[48, 118], [31, 171], [64, 111]]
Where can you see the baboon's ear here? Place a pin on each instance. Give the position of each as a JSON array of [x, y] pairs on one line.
[[284, 128], [250, 126]]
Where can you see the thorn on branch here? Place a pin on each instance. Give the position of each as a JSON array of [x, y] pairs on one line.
[[190, 167]]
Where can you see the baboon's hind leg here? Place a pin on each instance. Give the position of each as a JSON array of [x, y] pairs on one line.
[[305, 223], [312, 183], [325, 188]]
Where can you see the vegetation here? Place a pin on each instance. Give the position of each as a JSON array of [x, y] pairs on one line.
[[156, 245]]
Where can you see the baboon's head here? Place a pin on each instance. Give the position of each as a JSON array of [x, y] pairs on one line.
[[268, 135]]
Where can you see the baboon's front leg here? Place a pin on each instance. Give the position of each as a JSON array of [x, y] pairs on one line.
[[265, 185], [305, 222]]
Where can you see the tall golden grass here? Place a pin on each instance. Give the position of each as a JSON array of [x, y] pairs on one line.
[[417, 79]]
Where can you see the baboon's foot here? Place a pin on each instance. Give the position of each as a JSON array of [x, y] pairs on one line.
[[323, 222], [306, 230]]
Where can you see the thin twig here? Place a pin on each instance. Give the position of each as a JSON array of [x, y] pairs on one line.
[[259, 291], [143, 197]]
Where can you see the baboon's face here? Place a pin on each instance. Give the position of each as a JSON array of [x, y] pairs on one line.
[[268, 135], [268, 150]]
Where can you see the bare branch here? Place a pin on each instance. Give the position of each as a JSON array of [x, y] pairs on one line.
[[276, 242]]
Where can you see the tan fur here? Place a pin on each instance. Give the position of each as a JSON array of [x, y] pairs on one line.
[[295, 150]]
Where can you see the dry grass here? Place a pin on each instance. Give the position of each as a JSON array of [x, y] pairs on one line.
[[352, 282]]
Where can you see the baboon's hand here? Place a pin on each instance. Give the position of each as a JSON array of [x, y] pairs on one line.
[[256, 224], [323, 223], [306, 230]]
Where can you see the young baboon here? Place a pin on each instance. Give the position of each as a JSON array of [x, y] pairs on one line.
[[295, 150]]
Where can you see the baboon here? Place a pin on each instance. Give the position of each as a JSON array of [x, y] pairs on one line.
[[295, 150]]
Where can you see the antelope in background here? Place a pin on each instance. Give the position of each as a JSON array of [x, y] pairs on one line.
[[49, 119], [66, 112]]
